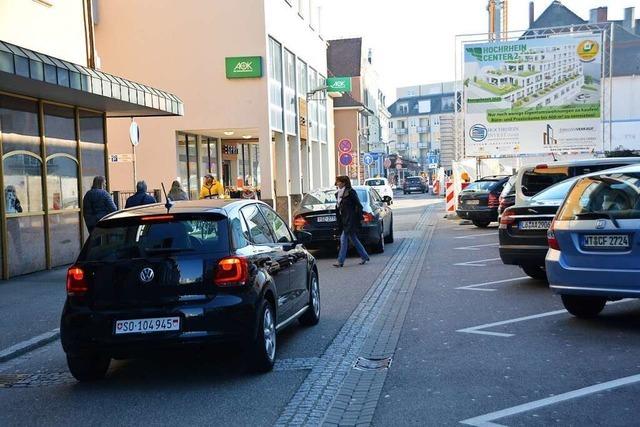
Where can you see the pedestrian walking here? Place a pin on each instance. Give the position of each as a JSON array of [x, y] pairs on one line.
[[349, 215], [140, 197], [97, 203], [211, 188], [177, 193]]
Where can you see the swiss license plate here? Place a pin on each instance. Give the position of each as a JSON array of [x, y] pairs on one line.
[[327, 218], [534, 225], [145, 326], [606, 241], [472, 202]]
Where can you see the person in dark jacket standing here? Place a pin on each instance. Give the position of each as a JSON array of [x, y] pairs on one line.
[[141, 197], [97, 203], [349, 213]]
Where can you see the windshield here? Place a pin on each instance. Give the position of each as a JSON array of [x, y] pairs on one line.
[[614, 196], [555, 192], [327, 197], [375, 182], [114, 241]]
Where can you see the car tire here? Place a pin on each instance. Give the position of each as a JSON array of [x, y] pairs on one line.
[[535, 272], [378, 247], [311, 317], [481, 224], [389, 238], [262, 350], [584, 307], [89, 367]]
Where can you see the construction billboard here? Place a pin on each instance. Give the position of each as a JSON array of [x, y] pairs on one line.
[[533, 96]]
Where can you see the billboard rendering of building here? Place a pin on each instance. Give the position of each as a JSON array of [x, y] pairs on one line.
[[533, 96]]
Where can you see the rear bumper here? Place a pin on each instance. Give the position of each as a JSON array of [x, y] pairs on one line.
[[368, 234], [523, 254], [221, 319], [490, 215], [590, 281]]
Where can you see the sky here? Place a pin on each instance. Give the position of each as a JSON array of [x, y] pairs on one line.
[[414, 41]]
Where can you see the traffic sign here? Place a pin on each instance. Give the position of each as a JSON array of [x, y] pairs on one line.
[[346, 159], [121, 158], [345, 145], [134, 133], [367, 159]]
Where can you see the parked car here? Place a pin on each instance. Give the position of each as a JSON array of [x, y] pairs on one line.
[[533, 179], [415, 184], [382, 187], [317, 215], [594, 242], [523, 229], [508, 196], [479, 201], [203, 272]]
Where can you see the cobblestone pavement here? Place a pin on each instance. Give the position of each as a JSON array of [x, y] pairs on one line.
[[335, 392]]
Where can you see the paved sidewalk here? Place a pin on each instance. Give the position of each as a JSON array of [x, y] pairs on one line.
[[30, 306]]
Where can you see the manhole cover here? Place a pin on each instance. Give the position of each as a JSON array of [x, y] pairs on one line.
[[364, 364]]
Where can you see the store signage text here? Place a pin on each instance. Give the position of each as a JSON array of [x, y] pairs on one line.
[[241, 67], [339, 84]]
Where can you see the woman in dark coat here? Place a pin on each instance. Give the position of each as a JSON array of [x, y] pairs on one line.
[[97, 203], [349, 213]]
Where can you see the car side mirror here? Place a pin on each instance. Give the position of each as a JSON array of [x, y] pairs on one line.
[[303, 236], [387, 200]]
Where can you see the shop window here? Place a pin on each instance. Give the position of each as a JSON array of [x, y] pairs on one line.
[[59, 130], [213, 157], [91, 127], [22, 184], [301, 77], [192, 155], [19, 125], [183, 169], [92, 163], [26, 252], [62, 183]]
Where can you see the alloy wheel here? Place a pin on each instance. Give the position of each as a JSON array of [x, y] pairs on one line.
[[269, 332]]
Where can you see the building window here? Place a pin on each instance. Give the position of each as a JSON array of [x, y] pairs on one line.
[[60, 130], [313, 106], [183, 165], [19, 125], [424, 106], [22, 183], [208, 156], [62, 183], [301, 77], [192, 160], [290, 92], [275, 84], [91, 127], [322, 114], [403, 109], [448, 103]]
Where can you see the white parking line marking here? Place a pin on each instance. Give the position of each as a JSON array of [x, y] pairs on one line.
[[478, 329], [476, 287], [486, 420], [476, 247], [472, 236], [477, 263]]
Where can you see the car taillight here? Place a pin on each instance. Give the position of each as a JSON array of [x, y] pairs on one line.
[[493, 202], [551, 237], [232, 271], [76, 282], [299, 222], [367, 217], [507, 218]]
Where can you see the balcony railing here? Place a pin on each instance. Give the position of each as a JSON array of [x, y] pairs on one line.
[[401, 131], [401, 146], [422, 129], [423, 145]]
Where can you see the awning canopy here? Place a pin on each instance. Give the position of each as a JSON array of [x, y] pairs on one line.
[[30, 73]]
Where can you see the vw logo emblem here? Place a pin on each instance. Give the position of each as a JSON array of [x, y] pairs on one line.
[[600, 224], [146, 275]]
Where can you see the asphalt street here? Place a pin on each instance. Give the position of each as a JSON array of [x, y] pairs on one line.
[[476, 343]]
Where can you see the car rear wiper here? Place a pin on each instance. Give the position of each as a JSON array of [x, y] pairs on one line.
[[597, 215]]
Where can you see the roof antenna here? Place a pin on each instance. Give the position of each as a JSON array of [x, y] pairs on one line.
[[169, 203]]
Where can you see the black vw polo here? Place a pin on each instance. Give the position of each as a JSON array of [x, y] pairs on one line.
[[202, 272]]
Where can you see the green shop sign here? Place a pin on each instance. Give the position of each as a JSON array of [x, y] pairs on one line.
[[339, 84], [242, 67]]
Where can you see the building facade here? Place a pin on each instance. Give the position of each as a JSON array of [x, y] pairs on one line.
[[256, 117], [417, 118], [54, 106], [361, 115]]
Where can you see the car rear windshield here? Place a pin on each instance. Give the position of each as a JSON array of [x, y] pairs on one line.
[[150, 237], [375, 182], [615, 196], [481, 185], [555, 192], [538, 179], [414, 179], [328, 197]]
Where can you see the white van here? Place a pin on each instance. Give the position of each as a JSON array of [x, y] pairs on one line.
[[533, 179]]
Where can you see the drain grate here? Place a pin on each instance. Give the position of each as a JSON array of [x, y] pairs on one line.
[[364, 364], [35, 380]]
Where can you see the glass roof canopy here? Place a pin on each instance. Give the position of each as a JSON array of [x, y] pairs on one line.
[[31, 73]]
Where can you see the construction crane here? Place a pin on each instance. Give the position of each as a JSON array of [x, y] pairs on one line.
[[498, 19]]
